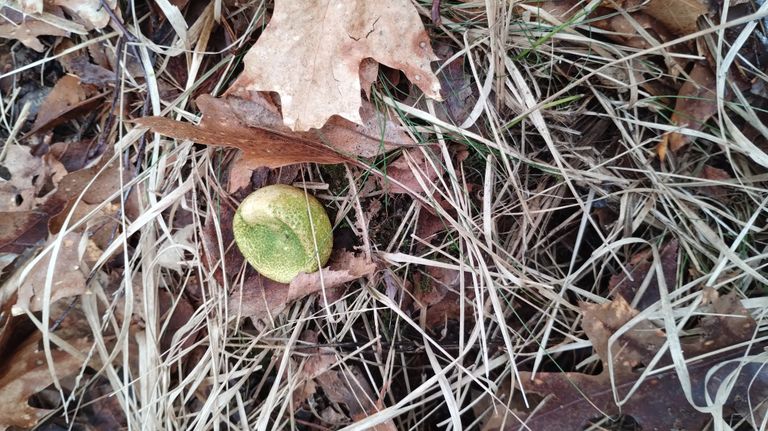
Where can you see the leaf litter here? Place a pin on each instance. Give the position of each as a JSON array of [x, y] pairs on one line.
[[658, 402], [504, 236]]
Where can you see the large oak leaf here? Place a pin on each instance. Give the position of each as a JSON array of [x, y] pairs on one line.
[[311, 50]]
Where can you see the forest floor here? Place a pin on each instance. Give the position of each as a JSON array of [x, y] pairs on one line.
[[547, 215]]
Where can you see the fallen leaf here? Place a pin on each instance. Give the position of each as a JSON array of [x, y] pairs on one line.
[[78, 63], [458, 90], [26, 174], [572, 398], [70, 271], [91, 13], [369, 71], [678, 16], [68, 99], [250, 122], [262, 298], [345, 385], [639, 267], [25, 374], [376, 134], [714, 174], [73, 155], [414, 167], [260, 147], [240, 173], [88, 12], [696, 103], [436, 292], [328, 41], [21, 230], [26, 29]]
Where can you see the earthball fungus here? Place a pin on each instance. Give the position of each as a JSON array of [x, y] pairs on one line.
[[282, 231]]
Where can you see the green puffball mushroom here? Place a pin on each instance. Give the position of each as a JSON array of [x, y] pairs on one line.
[[274, 230]]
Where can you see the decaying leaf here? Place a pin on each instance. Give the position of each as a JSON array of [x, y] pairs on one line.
[[262, 298], [639, 267], [26, 29], [88, 12], [416, 169], [436, 292], [25, 374], [261, 147], [458, 90], [80, 64], [91, 13], [341, 385], [572, 399], [22, 229], [328, 41], [24, 177], [696, 103], [714, 174], [679, 16], [70, 272]]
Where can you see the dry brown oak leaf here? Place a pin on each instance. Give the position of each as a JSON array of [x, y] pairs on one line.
[[311, 50], [573, 398]]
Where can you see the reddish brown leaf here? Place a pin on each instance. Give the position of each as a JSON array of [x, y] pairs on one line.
[[714, 174], [376, 133], [261, 147], [413, 168], [21, 230], [436, 292], [67, 98], [73, 155], [679, 16], [79, 64], [250, 122]]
